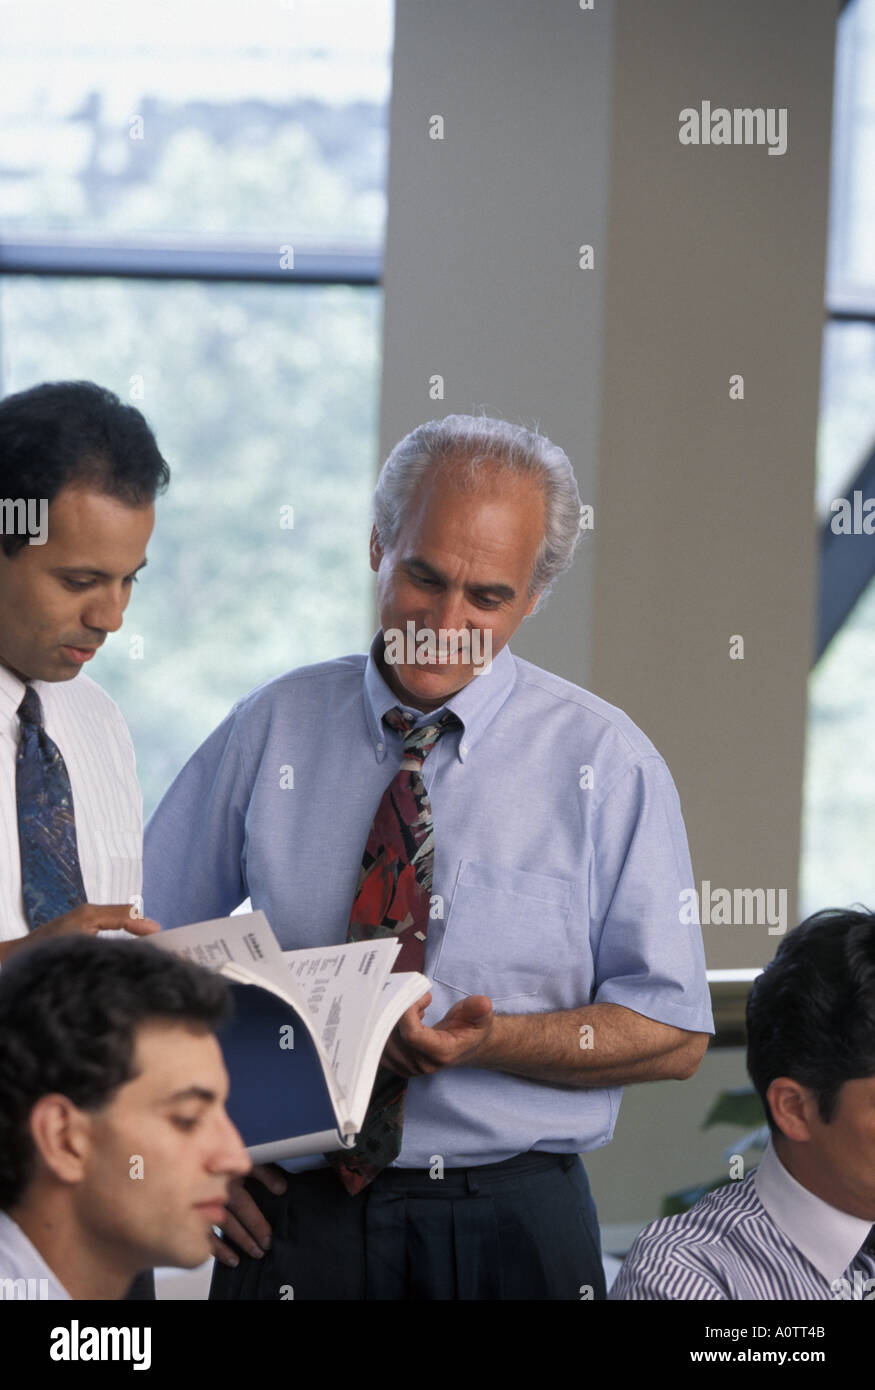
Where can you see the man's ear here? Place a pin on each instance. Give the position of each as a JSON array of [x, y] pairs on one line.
[[61, 1134], [533, 604], [793, 1108], [376, 550]]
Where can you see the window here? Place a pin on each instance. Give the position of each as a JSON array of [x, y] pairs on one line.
[[838, 861], [192, 204]]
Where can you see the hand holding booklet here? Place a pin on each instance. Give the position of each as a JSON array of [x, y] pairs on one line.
[[308, 1031]]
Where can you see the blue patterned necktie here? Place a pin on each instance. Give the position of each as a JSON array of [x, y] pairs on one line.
[[51, 878]]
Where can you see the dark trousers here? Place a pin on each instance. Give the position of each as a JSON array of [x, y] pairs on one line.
[[522, 1229]]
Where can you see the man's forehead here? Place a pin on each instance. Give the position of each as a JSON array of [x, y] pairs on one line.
[[90, 530], [477, 473], [75, 502], [443, 498], [170, 1058]]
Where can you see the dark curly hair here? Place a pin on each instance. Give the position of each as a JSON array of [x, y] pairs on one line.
[[65, 432], [69, 1013], [811, 1013]]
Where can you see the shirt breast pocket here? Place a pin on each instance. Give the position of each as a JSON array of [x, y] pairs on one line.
[[506, 933]]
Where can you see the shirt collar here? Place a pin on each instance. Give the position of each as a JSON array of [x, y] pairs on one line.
[[11, 695], [476, 704], [827, 1237]]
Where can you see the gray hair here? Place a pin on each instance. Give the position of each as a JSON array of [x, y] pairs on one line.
[[472, 443]]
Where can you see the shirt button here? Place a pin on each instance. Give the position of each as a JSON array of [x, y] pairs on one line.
[[463, 748], [380, 747]]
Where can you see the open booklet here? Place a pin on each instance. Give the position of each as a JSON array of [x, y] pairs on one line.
[[308, 1031]]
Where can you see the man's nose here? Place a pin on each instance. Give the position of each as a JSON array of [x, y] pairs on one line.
[[231, 1156], [447, 612], [105, 611]]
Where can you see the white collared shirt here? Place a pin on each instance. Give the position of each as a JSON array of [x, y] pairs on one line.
[[93, 738], [829, 1238], [21, 1262]]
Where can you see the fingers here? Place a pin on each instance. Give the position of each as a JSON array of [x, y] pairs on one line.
[[270, 1176], [246, 1224], [141, 926], [414, 1049], [223, 1253], [90, 918], [475, 1009], [253, 1242], [410, 1023]]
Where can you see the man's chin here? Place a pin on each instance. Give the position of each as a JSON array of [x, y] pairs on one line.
[[186, 1254], [63, 668], [436, 677]]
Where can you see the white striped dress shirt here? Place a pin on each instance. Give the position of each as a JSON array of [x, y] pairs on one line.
[[88, 728], [765, 1237]]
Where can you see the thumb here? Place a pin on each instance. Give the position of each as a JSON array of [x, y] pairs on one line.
[[476, 1009]]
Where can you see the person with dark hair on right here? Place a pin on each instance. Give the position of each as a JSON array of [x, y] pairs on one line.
[[115, 1147], [801, 1225]]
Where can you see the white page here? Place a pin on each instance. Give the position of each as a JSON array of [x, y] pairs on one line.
[[329, 979], [242, 948], [247, 940], [340, 992], [399, 993]]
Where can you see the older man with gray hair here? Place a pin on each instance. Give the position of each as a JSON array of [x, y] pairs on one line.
[[524, 842]]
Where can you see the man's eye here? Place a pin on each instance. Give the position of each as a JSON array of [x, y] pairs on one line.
[[422, 579], [483, 601], [78, 583], [185, 1121]]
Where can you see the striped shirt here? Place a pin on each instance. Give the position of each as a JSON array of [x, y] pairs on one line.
[[765, 1237], [92, 735]]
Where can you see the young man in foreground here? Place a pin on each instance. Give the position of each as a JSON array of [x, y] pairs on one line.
[[116, 1151]]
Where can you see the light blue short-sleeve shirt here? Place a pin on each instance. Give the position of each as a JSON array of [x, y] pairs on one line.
[[560, 860]]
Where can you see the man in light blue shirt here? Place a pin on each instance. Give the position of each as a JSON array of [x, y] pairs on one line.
[[561, 969]]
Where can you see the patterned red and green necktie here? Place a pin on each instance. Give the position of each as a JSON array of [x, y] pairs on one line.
[[392, 899], [51, 877]]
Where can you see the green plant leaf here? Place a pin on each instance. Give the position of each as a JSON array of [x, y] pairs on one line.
[[737, 1107]]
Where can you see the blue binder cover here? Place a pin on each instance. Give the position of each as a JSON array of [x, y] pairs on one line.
[[276, 1092]]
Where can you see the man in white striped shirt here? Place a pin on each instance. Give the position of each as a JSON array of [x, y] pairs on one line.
[[801, 1225], [79, 472]]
